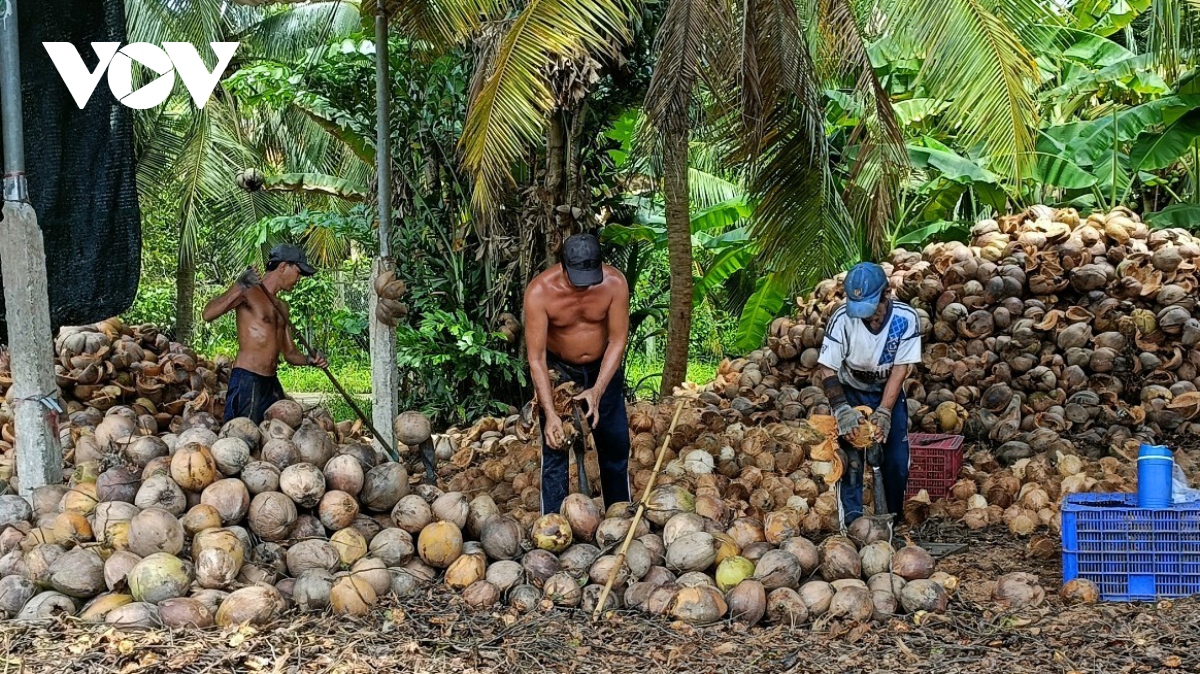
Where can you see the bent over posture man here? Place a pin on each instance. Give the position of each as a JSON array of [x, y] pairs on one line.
[[577, 322], [870, 344], [263, 335]]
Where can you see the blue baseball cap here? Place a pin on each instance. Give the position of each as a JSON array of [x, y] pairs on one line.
[[865, 283]]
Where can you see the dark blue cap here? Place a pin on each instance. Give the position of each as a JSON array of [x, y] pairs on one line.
[[865, 284], [581, 259]]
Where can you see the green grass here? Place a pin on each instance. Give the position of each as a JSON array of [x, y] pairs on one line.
[[355, 377], [648, 373]]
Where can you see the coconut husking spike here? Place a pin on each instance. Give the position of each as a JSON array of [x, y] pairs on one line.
[[874, 460], [579, 447]]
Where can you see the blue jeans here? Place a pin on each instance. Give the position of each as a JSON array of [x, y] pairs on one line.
[[895, 458], [611, 435], [250, 394]]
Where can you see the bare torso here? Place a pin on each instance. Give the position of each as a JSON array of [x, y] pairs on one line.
[[577, 329], [262, 334]]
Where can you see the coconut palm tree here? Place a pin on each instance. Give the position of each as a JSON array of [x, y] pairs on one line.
[[189, 158], [762, 66]]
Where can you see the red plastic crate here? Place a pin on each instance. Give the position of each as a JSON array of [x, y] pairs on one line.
[[935, 460]]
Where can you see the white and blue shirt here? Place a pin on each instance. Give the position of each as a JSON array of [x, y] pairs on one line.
[[863, 359]]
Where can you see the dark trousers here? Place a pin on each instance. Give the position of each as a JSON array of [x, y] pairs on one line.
[[250, 395], [895, 458], [611, 435]]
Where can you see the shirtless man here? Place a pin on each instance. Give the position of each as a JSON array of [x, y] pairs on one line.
[[577, 322], [262, 335]]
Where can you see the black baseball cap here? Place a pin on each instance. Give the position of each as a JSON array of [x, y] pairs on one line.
[[581, 260], [286, 252]]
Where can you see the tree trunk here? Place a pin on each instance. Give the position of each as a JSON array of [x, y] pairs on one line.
[[554, 187], [679, 250], [185, 297]]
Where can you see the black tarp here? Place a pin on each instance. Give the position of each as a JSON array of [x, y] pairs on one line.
[[80, 165]]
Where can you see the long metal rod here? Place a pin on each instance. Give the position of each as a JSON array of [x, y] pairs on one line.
[[383, 150], [15, 188], [616, 568]]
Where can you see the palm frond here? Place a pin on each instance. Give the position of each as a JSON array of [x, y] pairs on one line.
[[706, 189], [773, 66], [156, 21], [974, 57], [881, 156], [801, 224], [509, 112], [288, 35], [439, 22], [683, 38]]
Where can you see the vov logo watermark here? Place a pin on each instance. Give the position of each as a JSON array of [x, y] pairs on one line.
[[171, 58]]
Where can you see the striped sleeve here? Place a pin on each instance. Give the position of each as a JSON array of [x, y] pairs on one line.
[[909, 351], [833, 347]]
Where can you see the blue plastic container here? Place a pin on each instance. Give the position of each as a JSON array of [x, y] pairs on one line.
[[1155, 463], [1131, 553]]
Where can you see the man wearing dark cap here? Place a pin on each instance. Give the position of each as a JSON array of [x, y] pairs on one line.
[[262, 334], [871, 344], [577, 323]]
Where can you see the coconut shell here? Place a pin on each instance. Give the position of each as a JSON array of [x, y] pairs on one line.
[[698, 605], [260, 477], [136, 615], [785, 607], [1079, 591], [923, 595], [155, 530], [311, 590], [551, 532], [839, 559], [439, 544], [351, 546], [747, 602], [257, 605], [502, 537], [383, 487], [582, 515], [95, 610], [272, 516], [562, 590], [392, 546], [159, 577], [230, 498], [185, 612], [15, 592], [481, 594], [912, 563], [817, 596], [1018, 590], [525, 598]]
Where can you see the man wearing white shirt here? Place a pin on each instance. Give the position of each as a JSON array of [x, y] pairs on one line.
[[871, 344]]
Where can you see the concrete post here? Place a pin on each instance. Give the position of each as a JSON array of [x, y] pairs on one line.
[[26, 300], [385, 378]]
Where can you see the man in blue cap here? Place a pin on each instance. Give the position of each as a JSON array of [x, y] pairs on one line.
[[871, 344], [263, 335]]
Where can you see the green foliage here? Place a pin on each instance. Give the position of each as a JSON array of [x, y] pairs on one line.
[[453, 370]]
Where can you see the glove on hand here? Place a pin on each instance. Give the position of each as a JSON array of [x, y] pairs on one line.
[[848, 418], [882, 418]]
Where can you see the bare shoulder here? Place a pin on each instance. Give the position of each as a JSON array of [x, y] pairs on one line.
[[537, 287], [613, 276]]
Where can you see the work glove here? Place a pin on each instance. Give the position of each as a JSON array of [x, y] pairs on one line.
[[847, 417], [882, 418], [249, 278]]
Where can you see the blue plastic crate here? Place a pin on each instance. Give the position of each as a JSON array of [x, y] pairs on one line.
[[1131, 553]]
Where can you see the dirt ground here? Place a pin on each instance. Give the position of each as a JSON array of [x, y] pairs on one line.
[[435, 634]]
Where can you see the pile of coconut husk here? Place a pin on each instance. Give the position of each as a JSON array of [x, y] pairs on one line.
[[239, 522], [100, 366], [1049, 332]]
